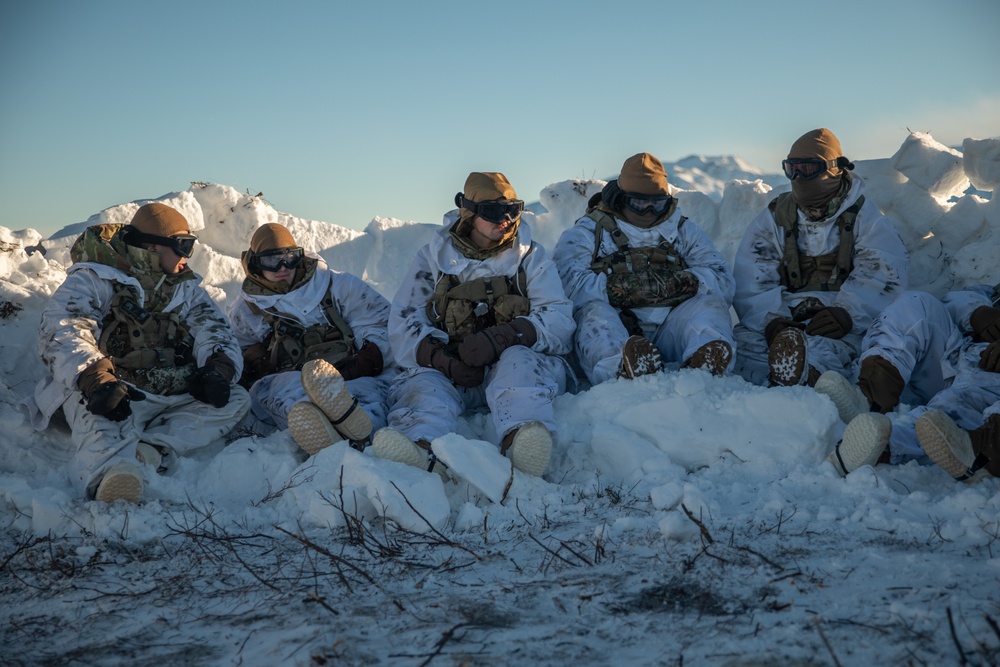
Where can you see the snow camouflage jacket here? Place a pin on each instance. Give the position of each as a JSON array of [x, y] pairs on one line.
[[71, 327], [575, 249], [365, 310], [880, 273], [551, 312], [960, 305]]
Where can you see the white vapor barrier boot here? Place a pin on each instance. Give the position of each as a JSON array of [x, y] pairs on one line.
[[327, 389], [946, 443], [388, 443], [848, 399], [310, 428], [149, 455], [865, 438], [531, 448], [122, 481]]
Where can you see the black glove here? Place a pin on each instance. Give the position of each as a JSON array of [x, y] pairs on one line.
[[111, 400], [831, 322], [989, 359], [985, 323], [431, 353], [367, 362], [211, 383], [484, 347], [106, 395]]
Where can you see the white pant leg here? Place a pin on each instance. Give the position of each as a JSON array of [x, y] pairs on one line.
[[823, 354], [967, 400], [180, 422], [598, 339], [100, 443], [751, 355], [274, 395], [699, 320], [916, 334], [424, 404], [521, 386], [183, 423]]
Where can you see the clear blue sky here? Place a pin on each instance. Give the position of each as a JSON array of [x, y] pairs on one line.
[[342, 111]]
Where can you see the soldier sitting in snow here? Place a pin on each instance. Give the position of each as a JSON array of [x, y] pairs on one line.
[[645, 281], [315, 343], [943, 357], [813, 270], [138, 355], [478, 319]]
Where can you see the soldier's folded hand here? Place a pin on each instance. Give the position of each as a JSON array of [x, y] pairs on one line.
[[483, 348], [106, 395], [211, 383], [985, 322], [367, 362], [989, 359], [831, 322], [431, 353]]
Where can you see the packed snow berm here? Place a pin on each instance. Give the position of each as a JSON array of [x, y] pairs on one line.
[[684, 519]]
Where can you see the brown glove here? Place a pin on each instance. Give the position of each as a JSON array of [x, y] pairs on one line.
[[485, 347], [989, 359], [777, 325], [831, 322], [106, 395], [985, 322], [881, 383], [366, 362], [431, 353], [255, 364]]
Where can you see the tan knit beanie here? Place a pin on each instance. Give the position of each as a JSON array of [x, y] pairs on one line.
[[643, 174], [821, 143], [271, 236], [488, 186], [158, 219]]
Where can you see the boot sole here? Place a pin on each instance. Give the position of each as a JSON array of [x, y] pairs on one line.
[[310, 428], [786, 358], [122, 481], [531, 449], [326, 388], [865, 438], [847, 398], [390, 444], [947, 444], [639, 357]]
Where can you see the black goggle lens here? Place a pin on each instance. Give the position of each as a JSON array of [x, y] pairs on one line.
[[806, 168], [497, 211], [643, 204], [275, 259], [182, 244]]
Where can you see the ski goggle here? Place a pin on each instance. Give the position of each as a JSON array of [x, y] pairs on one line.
[[809, 168], [182, 244], [492, 211], [273, 260], [643, 204]]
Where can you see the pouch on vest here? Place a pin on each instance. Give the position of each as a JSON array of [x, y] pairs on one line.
[[290, 346], [822, 273], [461, 309]]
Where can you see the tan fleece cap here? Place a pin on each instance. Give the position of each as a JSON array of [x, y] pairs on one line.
[[271, 236], [158, 219], [488, 186], [821, 143], [643, 174]]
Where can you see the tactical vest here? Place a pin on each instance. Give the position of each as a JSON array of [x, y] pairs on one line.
[[153, 350], [465, 308], [150, 348], [637, 277], [823, 273], [290, 345]]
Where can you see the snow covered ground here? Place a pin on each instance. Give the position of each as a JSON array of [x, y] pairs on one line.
[[685, 519]]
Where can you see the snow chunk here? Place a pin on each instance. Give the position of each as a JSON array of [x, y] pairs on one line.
[[982, 162], [931, 165]]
